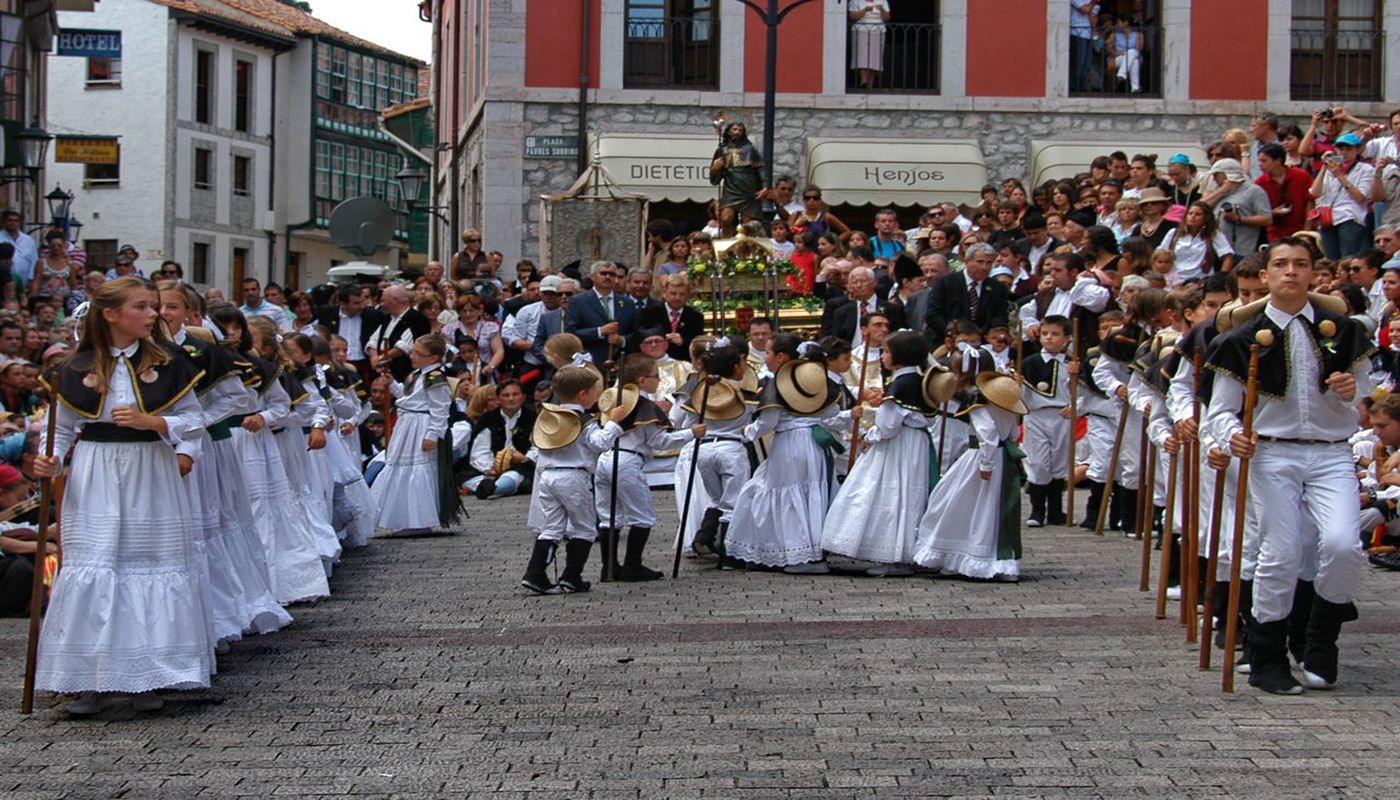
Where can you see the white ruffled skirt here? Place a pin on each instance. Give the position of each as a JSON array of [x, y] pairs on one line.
[[699, 500], [259, 610], [292, 558], [309, 476], [876, 513], [779, 513], [353, 507], [406, 491], [962, 525], [128, 611]]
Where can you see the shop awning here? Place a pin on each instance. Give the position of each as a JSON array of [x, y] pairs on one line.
[[901, 172], [1065, 159], [662, 167]]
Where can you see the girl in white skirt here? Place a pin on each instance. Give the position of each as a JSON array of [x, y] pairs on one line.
[[298, 436], [973, 523], [352, 504], [128, 611], [354, 387], [682, 396], [240, 587], [288, 545], [876, 513], [779, 513], [407, 491]]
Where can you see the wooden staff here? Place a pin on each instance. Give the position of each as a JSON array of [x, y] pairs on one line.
[[36, 586], [1144, 497], [1147, 481], [384, 408], [1073, 422], [690, 484], [1217, 510], [1112, 469], [1190, 557], [1020, 346], [611, 541], [1168, 522], [1232, 614], [855, 423]]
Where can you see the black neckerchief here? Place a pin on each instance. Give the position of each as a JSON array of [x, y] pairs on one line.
[[1038, 371], [908, 392], [1086, 372], [156, 389], [1229, 353], [1122, 343]]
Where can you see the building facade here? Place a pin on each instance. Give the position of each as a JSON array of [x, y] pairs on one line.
[[238, 126], [962, 92]]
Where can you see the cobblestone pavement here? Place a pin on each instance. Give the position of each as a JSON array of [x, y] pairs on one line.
[[430, 674]]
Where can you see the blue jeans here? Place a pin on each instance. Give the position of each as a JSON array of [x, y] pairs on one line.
[[1345, 239], [1081, 56]]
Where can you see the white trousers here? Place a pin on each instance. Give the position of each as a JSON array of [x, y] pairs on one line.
[[723, 468], [1130, 69], [1102, 430], [1046, 445], [561, 506], [1295, 484], [633, 494]]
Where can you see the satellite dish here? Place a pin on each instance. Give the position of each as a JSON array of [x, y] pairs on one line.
[[362, 225]]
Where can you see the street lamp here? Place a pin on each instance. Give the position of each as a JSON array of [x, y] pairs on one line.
[[33, 148], [75, 229], [411, 181], [60, 203]]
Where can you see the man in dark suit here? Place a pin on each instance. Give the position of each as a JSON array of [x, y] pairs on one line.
[[844, 320], [552, 322], [952, 297], [391, 342], [352, 318], [601, 317], [639, 287], [681, 322]]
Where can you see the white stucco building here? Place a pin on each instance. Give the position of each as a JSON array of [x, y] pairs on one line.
[[233, 135]]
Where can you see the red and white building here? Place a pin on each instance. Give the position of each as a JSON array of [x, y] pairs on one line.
[[969, 91]]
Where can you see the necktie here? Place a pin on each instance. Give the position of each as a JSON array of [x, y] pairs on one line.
[[607, 307], [675, 320], [972, 299]]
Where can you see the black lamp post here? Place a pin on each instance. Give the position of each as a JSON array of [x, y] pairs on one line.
[[411, 181]]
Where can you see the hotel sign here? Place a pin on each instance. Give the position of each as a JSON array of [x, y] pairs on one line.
[[89, 44]]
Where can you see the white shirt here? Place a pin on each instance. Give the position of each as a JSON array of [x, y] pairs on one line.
[[863, 307], [1190, 251], [379, 339], [482, 459], [350, 331], [524, 324], [26, 253], [1380, 147], [273, 312], [1304, 413], [1336, 197], [1375, 301], [873, 16]]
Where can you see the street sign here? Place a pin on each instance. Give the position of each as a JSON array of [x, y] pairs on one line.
[[551, 147], [87, 150], [89, 44]]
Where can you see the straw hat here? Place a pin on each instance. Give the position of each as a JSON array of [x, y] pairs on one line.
[[803, 386], [556, 427], [203, 334], [1001, 391], [608, 399], [939, 385], [722, 400], [1232, 313], [1152, 194]]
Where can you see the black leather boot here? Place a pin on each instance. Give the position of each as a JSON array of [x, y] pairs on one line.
[[575, 557], [1298, 617], [1324, 626], [1268, 657], [722, 548], [1114, 520], [1037, 494], [1091, 506], [704, 543], [632, 569], [1128, 511], [536, 579], [1055, 503]]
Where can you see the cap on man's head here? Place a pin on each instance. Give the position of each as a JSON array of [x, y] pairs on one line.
[[127, 247], [1350, 139], [1180, 158], [550, 283], [1230, 168]]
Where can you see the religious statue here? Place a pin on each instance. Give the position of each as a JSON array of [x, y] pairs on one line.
[[737, 168]]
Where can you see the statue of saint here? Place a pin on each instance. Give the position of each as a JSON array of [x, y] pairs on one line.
[[737, 168]]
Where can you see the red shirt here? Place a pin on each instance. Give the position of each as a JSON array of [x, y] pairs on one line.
[[806, 280], [1293, 192]]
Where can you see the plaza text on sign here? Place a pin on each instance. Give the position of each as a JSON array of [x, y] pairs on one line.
[[90, 44], [551, 147]]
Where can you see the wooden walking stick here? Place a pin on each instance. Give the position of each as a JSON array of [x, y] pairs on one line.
[[36, 587], [855, 423], [1148, 483], [1189, 531], [1168, 522], [1112, 469], [1217, 510], [1264, 337], [708, 380], [1144, 498], [1073, 422], [1191, 560], [612, 540]]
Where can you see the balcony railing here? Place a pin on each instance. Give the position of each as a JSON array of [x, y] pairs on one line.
[[672, 52], [1106, 64], [1333, 65], [905, 54]]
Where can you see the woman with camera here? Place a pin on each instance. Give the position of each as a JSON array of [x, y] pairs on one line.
[[1342, 188]]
